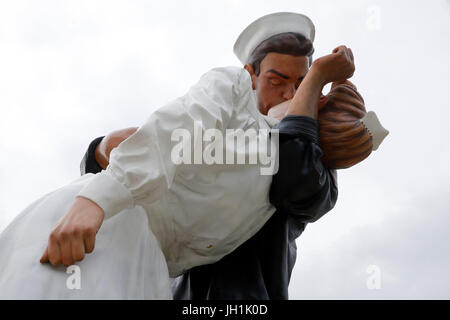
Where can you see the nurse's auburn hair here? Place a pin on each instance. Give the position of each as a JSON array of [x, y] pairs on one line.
[[290, 43]]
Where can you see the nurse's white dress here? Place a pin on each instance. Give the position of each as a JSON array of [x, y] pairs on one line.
[[161, 218]]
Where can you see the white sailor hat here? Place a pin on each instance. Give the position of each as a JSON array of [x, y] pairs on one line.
[[268, 26]]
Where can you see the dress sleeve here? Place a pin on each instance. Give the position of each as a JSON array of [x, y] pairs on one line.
[[303, 187], [141, 169]]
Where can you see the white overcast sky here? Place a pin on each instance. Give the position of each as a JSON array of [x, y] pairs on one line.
[[71, 71]]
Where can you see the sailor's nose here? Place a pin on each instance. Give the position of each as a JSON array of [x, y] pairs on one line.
[[289, 92]]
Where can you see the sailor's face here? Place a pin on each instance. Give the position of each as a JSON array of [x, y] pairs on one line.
[[279, 77]]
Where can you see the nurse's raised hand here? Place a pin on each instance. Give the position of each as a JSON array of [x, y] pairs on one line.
[[74, 234]]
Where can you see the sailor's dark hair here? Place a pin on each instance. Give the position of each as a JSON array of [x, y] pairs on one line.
[[291, 43]]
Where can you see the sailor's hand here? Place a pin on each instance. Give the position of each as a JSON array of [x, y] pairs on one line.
[[346, 82], [109, 142], [74, 234], [337, 66]]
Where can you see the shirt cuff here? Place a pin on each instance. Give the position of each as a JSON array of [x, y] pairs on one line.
[[108, 194], [300, 126], [89, 164]]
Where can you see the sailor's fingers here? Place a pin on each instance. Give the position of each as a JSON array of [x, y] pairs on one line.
[[350, 52]]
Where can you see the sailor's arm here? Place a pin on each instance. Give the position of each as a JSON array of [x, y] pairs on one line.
[[97, 155], [303, 187], [337, 66]]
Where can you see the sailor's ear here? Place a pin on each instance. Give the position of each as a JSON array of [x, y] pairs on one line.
[[250, 70]]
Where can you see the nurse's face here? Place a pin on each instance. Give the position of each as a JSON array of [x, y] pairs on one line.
[[279, 77]]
